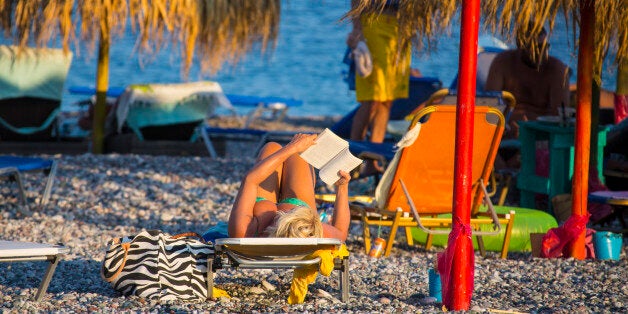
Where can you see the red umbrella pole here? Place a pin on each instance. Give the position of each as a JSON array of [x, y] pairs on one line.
[[583, 123], [460, 283]]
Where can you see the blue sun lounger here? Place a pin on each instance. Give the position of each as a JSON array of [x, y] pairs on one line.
[[276, 106], [421, 88], [261, 137], [13, 167]]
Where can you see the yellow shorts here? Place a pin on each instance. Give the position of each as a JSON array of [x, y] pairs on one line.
[[391, 74]]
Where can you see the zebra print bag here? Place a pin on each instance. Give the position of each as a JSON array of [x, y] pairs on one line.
[[156, 265]]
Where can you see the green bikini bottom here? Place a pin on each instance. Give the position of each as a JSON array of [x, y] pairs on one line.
[[290, 200]]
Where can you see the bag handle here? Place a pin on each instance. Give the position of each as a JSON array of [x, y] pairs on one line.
[[126, 247], [191, 234]]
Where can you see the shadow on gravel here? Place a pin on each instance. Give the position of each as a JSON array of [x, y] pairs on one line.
[[71, 276]]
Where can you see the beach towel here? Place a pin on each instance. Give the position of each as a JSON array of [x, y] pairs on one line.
[[363, 59], [306, 275], [157, 265]]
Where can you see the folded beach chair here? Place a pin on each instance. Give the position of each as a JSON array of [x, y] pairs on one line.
[[31, 86], [13, 167], [279, 253], [16, 251], [169, 107], [425, 163]]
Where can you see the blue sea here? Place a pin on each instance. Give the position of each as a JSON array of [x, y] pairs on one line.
[[306, 63]]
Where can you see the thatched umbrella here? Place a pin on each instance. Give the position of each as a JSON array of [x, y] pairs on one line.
[[602, 26], [422, 21], [209, 33]]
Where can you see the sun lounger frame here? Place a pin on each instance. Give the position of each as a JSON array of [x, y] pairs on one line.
[[37, 252], [15, 172], [228, 254]]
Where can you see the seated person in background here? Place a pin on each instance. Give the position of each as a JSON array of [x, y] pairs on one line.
[[539, 82], [276, 197]]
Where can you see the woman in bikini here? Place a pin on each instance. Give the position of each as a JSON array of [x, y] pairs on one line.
[[276, 197]]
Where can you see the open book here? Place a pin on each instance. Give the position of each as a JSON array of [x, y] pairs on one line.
[[330, 154]]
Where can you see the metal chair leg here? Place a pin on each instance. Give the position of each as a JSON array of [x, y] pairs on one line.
[[20, 185], [344, 280], [210, 278], [49, 182], [47, 277]]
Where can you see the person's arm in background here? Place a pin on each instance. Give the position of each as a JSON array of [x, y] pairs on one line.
[[356, 33]]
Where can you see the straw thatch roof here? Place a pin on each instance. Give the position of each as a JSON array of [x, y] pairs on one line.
[[210, 32], [422, 21]]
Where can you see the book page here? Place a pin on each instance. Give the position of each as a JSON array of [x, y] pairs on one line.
[[344, 161], [327, 146]]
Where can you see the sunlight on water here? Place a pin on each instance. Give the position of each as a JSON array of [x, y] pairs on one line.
[[306, 64]]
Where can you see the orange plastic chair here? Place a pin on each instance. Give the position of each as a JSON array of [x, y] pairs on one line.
[[506, 103], [426, 169]]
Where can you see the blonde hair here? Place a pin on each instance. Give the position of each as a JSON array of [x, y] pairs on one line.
[[300, 222]]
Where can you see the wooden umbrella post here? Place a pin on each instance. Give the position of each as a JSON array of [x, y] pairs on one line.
[[583, 122], [462, 265], [102, 84]]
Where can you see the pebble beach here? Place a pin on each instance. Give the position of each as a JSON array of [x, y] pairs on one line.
[[99, 197]]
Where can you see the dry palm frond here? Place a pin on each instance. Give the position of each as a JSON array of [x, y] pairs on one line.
[[521, 21], [217, 32], [421, 22]]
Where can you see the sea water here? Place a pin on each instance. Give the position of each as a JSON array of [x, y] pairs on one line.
[[306, 63]]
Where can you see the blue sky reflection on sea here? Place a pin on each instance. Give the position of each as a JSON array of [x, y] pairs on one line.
[[306, 63]]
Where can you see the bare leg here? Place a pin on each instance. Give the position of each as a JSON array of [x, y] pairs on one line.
[[380, 112], [265, 211], [269, 188], [298, 181], [378, 120], [361, 121]]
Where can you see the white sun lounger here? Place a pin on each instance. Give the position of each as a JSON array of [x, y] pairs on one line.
[[275, 253], [16, 251]]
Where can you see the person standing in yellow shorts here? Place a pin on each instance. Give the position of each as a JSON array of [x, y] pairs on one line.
[[388, 80]]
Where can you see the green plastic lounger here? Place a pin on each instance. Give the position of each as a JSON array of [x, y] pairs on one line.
[[169, 106], [13, 167], [16, 251], [31, 88]]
